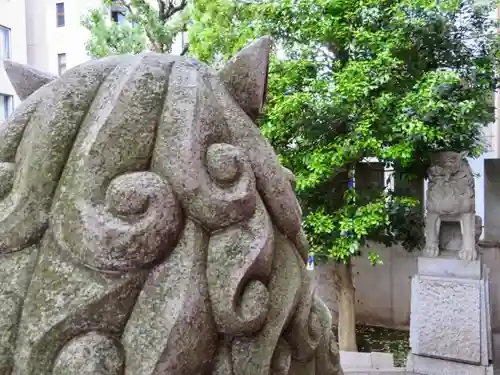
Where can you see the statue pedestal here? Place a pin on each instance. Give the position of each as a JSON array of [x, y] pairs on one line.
[[450, 329]]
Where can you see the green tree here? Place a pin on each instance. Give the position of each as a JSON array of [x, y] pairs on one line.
[[150, 26], [395, 80]]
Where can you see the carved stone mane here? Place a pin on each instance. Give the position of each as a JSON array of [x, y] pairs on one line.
[[451, 185], [147, 228]]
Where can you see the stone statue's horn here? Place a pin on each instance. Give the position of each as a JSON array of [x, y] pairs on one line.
[[25, 79], [245, 75]]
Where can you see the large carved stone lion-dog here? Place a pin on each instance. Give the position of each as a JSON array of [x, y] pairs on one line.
[[147, 228], [451, 197]]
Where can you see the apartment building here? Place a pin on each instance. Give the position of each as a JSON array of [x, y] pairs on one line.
[[55, 37], [12, 46], [46, 34]]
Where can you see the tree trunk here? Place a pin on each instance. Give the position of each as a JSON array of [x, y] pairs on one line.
[[345, 290]]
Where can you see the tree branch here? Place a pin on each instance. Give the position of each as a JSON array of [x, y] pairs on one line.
[[165, 12], [162, 6], [172, 9], [185, 49]]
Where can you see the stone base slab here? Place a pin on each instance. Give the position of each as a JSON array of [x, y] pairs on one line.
[[450, 267], [433, 366], [374, 360]]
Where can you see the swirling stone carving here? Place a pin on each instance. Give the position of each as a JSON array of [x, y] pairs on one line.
[[136, 226], [194, 124], [90, 354], [171, 330], [118, 219], [224, 164], [38, 138], [282, 358], [15, 276], [147, 227], [284, 288], [239, 264], [305, 329], [26, 81]]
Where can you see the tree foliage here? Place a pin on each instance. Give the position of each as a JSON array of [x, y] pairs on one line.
[[150, 26], [395, 80]]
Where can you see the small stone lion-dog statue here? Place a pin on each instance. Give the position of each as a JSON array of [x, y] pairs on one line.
[[450, 197], [148, 228]]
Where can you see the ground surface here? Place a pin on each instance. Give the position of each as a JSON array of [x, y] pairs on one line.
[[377, 339]]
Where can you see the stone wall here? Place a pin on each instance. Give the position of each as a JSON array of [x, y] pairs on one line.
[[383, 291]]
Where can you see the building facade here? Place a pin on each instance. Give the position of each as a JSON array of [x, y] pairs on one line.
[[12, 46], [55, 37]]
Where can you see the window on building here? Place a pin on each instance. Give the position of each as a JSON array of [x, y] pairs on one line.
[[5, 52], [61, 63], [6, 106], [60, 15], [118, 16]]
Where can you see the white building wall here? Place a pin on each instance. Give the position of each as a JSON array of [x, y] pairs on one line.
[[36, 37], [492, 136], [12, 16], [46, 40]]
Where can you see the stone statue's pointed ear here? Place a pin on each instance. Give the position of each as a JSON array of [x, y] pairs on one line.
[[25, 79], [245, 76]]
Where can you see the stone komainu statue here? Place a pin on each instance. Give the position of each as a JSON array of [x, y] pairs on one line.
[[450, 197], [147, 228]]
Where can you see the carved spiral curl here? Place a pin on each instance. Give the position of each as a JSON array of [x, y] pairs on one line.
[[224, 164], [239, 264], [228, 195], [268, 345], [327, 356], [282, 358], [138, 224], [90, 354], [214, 180], [305, 329]]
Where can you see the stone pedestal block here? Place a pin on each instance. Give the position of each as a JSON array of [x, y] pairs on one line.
[[450, 325]]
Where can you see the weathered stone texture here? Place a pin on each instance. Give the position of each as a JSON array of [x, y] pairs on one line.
[[15, 276], [90, 354], [443, 327], [450, 331], [147, 227]]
